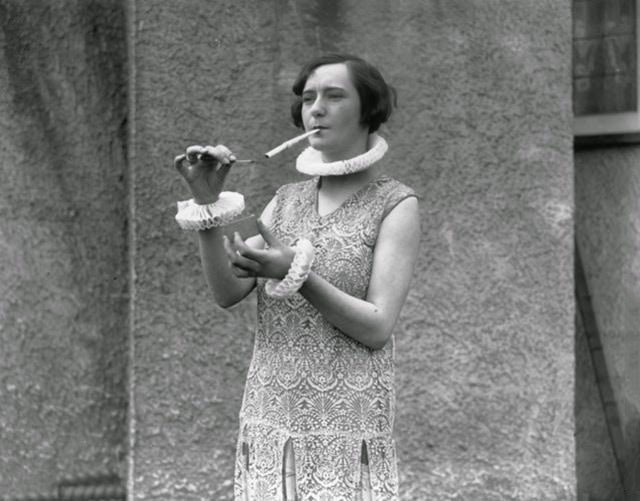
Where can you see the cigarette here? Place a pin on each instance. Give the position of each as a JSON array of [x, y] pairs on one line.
[[289, 143], [244, 161]]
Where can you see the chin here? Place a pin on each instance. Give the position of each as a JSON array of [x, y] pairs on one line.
[[317, 143]]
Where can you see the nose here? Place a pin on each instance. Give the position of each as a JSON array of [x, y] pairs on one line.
[[317, 108]]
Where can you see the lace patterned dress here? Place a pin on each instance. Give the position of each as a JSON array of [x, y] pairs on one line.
[[316, 401]]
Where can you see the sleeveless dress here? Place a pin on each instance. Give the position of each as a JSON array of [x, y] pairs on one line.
[[317, 402]]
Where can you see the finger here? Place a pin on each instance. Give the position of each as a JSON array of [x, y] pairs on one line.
[[227, 153], [193, 152], [222, 171], [266, 233], [209, 152], [229, 249], [246, 263], [177, 162], [220, 152], [237, 259], [239, 246], [195, 149], [206, 157], [244, 250]]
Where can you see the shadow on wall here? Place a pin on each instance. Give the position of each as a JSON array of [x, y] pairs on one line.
[[602, 472], [634, 464], [607, 202]]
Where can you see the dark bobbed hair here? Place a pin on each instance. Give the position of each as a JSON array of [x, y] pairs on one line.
[[377, 98]]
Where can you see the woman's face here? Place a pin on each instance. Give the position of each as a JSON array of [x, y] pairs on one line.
[[331, 102]]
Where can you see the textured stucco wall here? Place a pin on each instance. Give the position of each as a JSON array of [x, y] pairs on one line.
[[608, 235], [63, 268], [485, 343]]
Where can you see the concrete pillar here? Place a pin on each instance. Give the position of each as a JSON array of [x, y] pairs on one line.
[[63, 242]]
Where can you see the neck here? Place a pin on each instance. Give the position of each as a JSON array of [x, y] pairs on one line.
[[348, 182], [358, 147]]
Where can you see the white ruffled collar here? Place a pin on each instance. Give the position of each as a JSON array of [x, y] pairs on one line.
[[310, 160]]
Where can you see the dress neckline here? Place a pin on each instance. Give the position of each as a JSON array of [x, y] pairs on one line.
[[315, 190]]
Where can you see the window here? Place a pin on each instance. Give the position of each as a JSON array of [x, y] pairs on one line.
[[605, 67]]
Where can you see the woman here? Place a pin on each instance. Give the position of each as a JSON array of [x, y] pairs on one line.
[[332, 266]]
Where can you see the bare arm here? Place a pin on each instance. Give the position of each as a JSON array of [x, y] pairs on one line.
[[228, 289], [371, 321], [205, 169]]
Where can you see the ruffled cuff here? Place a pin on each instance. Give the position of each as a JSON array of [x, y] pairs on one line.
[[192, 216], [297, 274]]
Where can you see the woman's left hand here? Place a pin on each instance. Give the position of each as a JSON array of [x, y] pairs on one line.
[[272, 262]]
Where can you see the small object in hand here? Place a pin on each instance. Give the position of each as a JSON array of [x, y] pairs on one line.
[[246, 227], [289, 143], [208, 156]]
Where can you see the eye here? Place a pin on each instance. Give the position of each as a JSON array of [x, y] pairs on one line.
[[335, 95], [308, 98]]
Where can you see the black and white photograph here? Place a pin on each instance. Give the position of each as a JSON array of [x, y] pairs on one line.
[[319, 250]]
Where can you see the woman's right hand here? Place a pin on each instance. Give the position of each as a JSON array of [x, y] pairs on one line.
[[205, 169]]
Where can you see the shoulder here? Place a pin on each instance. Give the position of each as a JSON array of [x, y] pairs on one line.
[[391, 185], [392, 192], [400, 221]]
